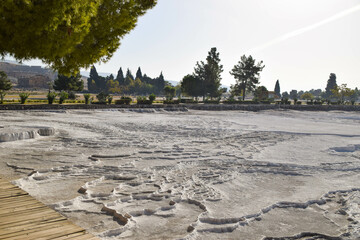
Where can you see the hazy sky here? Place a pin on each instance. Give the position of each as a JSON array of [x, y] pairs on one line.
[[300, 41]]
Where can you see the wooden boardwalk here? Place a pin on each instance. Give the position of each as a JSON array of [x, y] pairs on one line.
[[22, 217]]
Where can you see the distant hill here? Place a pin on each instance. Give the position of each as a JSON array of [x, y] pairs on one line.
[[29, 77]]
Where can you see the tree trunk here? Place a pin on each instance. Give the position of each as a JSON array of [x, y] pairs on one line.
[[243, 93]]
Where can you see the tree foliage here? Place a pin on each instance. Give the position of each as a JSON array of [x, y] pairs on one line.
[[209, 74], [294, 94], [67, 34], [331, 85], [120, 77], [342, 92], [125, 85], [5, 85], [191, 85], [72, 83], [285, 95], [247, 74], [261, 93], [169, 92], [307, 96], [277, 88], [139, 73]]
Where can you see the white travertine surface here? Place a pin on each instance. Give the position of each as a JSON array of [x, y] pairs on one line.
[[153, 174]]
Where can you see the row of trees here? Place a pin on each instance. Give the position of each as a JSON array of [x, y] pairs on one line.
[[332, 93], [128, 84], [206, 78]]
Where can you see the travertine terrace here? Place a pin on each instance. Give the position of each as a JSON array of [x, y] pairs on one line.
[[153, 174]]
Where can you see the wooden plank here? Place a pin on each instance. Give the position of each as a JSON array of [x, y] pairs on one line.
[[33, 216], [18, 198], [21, 229], [29, 217], [10, 195], [77, 236], [22, 213], [4, 186], [49, 232], [18, 207], [23, 217], [16, 225], [10, 187]]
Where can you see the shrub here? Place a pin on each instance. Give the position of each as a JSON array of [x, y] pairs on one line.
[[143, 101], [102, 97], [169, 92], [63, 96], [285, 101], [72, 96], [124, 100], [152, 97], [171, 101], [109, 99], [251, 102], [127, 100], [298, 103], [233, 101], [87, 98], [23, 97], [186, 100], [211, 101], [51, 97]]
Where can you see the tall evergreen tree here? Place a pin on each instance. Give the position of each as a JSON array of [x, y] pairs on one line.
[[213, 70], [277, 88], [120, 77], [96, 83], [209, 74], [331, 85], [72, 83], [129, 74], [110, 77], [93, 78], [139, 74], [247, 75], [160, 83]]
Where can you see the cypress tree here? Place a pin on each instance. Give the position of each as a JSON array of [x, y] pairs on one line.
[[72, 83], [331, 84], [93, 79], [139, 74], [120, 77], [129, 74], [277, 88]]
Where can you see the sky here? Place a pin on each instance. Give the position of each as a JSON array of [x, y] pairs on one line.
[[300, 41]]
